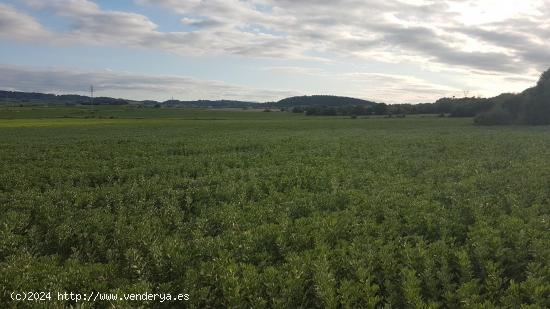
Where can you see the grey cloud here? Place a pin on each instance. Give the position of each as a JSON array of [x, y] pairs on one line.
[[517, 37], [498, 36], [428, 43], [203, 23], [353, 27], [133, 86]]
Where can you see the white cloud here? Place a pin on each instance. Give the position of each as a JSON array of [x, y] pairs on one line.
[[396, 31], [92, 25], [473, 39], [445, 33], [481, 12], [19, 26]]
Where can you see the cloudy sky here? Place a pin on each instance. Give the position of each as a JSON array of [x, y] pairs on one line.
[[262, 50]]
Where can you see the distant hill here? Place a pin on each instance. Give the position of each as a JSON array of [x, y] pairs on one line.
[[322, 100], [34, 98]]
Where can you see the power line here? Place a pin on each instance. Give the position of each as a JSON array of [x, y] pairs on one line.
[[92, 94]]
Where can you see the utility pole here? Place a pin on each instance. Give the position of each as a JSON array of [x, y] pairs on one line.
[[92, 95]]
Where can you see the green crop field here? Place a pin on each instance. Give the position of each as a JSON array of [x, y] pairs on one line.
[[248, 209]]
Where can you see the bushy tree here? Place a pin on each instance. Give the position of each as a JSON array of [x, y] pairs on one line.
[[381, 109], [496, 116], [531, 107], [537, 107]]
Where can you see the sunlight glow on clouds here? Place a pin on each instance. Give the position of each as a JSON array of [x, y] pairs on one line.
[[490, 11]]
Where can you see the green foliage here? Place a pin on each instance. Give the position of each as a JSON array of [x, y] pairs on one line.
[[496, 116], [381, 109], [274, 210], [531, 107]]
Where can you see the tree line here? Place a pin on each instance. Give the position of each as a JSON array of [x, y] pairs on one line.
[[453, 107]]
